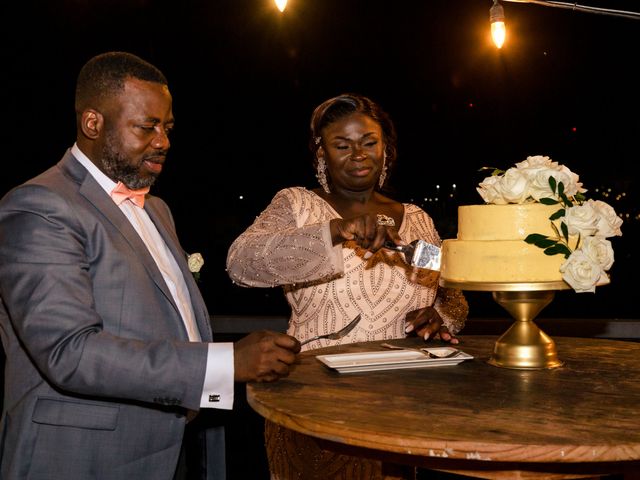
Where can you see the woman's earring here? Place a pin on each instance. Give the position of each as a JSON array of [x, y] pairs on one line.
[[321, 174], [383, 172]]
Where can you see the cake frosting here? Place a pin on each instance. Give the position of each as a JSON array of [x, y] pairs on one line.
[[490, 245], [536, 226], [504, 222]]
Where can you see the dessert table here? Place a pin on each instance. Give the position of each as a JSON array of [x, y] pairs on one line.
[[579, 420]]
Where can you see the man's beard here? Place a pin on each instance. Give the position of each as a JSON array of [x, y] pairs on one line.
[[118, 167]]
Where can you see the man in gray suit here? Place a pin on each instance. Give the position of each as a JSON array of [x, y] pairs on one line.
[[107, 338]]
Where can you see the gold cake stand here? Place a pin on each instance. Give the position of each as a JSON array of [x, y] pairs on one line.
[[524, 345]]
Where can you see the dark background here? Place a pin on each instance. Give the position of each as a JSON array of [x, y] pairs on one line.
[[245, 79]]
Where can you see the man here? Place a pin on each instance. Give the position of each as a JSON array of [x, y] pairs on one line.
[[107, 337]]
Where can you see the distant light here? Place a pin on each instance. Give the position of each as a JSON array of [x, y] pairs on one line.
[[241, 197], [454, 186], [281, 4], [574, 129], [498, 30]]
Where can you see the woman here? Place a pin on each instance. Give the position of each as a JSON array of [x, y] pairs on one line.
[[325, 248]]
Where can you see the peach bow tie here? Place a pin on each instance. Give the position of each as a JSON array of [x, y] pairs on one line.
[[121, 192]]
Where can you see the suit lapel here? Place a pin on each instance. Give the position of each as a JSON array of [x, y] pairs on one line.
[[167, 232], [95, 194]]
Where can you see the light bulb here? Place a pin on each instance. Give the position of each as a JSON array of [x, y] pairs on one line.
[[498, 30], [281, 4]]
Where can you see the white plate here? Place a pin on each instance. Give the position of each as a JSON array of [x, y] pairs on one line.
[[391, 359]]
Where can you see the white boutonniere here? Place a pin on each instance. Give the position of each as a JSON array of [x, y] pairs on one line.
[[195, 262], [581, 226]]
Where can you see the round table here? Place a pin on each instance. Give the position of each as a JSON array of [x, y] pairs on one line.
[[581, 419]]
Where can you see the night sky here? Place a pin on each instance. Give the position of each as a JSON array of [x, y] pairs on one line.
[[246, 78]]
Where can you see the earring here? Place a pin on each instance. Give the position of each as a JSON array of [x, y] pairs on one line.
[[383, 172], [321, 174]]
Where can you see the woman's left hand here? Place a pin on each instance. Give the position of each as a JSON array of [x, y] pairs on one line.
[[427, 323]]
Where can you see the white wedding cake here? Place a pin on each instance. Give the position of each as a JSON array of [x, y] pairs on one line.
[[537, 226], [490, 245]]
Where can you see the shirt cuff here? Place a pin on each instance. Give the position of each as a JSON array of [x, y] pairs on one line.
[[218, 379]]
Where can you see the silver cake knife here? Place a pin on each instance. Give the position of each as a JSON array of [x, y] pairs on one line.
[[419, 254]]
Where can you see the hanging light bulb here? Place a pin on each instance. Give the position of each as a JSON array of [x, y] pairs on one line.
[[498, 30], [281, 4]]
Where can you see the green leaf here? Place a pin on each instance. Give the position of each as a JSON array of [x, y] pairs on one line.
[[534, 237], [578, 241], [560, 213], [566, 200], [580, 197], [494, 171], [561, 189], [565, 231], [552, 184], [549, 201], [539, 240], [558, 249]]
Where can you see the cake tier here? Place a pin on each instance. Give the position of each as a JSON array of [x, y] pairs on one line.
[[498, 261], [504, 222]]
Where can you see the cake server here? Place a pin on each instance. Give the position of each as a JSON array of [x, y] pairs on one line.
[[419, 254]]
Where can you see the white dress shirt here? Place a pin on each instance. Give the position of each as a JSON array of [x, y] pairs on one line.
[[218, 383]]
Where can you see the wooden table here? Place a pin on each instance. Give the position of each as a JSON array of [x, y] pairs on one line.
[[582, 419]]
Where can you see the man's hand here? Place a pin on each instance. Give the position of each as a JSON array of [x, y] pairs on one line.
[[264, 356]]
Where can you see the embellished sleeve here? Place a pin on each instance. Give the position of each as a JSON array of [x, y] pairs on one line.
[[449, 303], [280, 249], [452, 307]]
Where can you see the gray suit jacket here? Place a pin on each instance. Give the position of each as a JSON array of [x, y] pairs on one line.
[[99, 370]]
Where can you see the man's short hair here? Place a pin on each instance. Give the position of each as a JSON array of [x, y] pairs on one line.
[[104, 75]]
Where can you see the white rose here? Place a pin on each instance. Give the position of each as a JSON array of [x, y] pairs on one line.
[[195, 262], [581, 272], [514, 186], [609, 222], [582, 219], [599, 250], [539, 183], [535, 162], [571, 182], [488, 191]]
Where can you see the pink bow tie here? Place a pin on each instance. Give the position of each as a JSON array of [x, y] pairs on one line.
[[121, 192]]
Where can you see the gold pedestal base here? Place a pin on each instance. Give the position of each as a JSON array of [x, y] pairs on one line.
[[524, 345]]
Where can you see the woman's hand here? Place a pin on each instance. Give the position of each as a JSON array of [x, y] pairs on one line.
[[365, 231], [427, 323]]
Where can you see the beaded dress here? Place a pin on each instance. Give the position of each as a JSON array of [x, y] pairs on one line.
[[289, 245]]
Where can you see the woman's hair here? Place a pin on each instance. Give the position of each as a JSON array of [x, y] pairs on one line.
[[339, 107]]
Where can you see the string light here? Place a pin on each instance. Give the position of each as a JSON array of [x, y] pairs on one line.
[[498, 30], [496, 14], [281, 4]]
